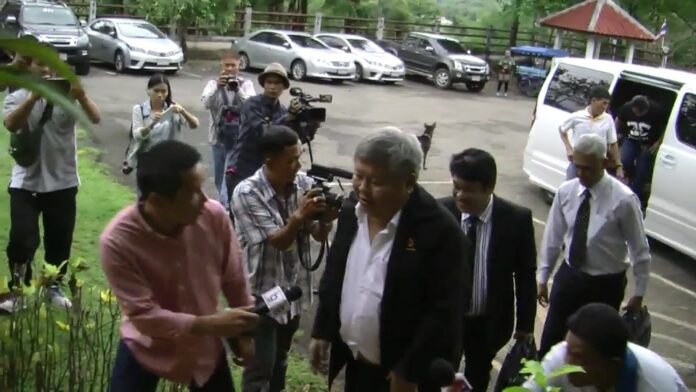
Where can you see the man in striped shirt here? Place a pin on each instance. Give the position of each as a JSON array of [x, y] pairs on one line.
[[275, 211], [503, 255]]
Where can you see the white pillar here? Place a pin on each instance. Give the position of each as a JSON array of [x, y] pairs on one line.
[[92, 10], [247, 20], [589, 50], [558, 40], [598, 49], [629, 52], [317, 23], [380, 29]]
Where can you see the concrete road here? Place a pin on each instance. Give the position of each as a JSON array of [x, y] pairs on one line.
[[499, 125]]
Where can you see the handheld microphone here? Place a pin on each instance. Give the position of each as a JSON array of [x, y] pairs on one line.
[[277, 301]]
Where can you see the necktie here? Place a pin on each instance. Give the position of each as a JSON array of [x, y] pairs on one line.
[[578, 244], [471, 224]]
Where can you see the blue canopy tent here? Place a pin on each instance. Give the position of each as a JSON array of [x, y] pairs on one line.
[[538, 51]]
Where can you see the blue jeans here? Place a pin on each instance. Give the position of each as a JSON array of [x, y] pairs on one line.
[[129, 376], [638, 164], [219, 155], [266, 372]]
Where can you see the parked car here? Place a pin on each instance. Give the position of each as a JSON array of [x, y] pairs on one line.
[[671, 211], [301, 54], [442, 59], [49, 21], [371, 61], [130, 43]]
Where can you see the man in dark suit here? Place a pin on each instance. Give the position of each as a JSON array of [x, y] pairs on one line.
[[504, 263], [393, 291]]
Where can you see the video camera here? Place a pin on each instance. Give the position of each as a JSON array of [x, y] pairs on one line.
[[309, 118], [322, 174]]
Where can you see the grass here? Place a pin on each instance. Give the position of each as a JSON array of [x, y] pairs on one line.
[[100, 197]]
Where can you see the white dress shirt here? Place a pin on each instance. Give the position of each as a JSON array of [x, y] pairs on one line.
[[654, 373], [582, 123], [615, 229], [483, 235], [363, 284]]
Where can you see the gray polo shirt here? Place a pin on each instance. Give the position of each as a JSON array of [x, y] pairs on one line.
[[56, 167]]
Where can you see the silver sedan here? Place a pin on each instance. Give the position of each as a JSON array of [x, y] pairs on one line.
[[129, 43], [371, 61], [300, 54]]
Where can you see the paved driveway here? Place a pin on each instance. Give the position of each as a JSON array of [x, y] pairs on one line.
[[463, 120]]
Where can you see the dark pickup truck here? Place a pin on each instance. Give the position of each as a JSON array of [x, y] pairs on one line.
[[441, 59]]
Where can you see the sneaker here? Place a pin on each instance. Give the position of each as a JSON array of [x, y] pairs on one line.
[[55, 295], [9, 304], [506, 94], [497, 94]]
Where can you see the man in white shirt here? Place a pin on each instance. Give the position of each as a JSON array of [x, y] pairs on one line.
[[393, 294], [223, 98], [594, 119], [597, 341], [46, 188], [595, 220]]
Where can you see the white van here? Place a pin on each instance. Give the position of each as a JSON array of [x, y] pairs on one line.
[[671, 211]]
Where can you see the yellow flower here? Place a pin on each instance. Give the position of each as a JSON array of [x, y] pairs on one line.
[[106, 296], [62, 326]]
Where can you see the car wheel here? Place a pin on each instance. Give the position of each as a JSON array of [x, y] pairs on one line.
[[442, 78], [390, 82], [243, 61], [119, 62], [171, 71], [82, 69], [298, 70], [358, 73], [475, 87]]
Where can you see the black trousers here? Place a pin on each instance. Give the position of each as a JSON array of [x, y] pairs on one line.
[[57, 210], [478, 352], [501, 84], [362, 376], [572, 289], [129, 376]]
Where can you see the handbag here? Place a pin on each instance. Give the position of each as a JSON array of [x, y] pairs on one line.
[[25, 145], [510, 371]]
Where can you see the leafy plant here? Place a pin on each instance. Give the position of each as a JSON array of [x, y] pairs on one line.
[[12, 75], [537, 374]]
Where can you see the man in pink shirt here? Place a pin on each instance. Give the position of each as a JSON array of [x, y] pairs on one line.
[[167, 259]]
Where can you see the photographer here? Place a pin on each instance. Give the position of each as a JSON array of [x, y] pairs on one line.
[[258, 112], [275, 211], [223, 98], [47, 186]]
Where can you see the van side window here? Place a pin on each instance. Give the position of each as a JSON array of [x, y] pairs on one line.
[[570, 86], [686, 122]]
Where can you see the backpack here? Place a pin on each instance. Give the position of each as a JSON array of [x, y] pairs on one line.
[[127, 168], [25, 145], [229, 121]]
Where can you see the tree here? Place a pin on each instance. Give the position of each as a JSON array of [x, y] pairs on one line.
[[182, 14]]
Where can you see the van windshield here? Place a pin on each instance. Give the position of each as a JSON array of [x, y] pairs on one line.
[[571, 84]]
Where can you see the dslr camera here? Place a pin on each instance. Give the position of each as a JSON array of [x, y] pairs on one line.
[[232, 83], [310, 117], [323, 174]]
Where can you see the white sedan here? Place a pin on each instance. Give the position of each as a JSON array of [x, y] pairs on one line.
[[301, 54], [371, 61]]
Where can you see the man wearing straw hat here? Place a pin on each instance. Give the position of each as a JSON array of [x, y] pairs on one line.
[[257, 113]]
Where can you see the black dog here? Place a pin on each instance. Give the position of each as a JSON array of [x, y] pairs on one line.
[[426, 140]]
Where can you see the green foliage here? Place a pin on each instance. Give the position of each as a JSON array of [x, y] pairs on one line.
[[12, 75], [537, 374]]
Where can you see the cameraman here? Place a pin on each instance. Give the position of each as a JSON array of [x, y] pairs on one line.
[[258, 112], [275, 211], [47, 187], [223, 98]]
